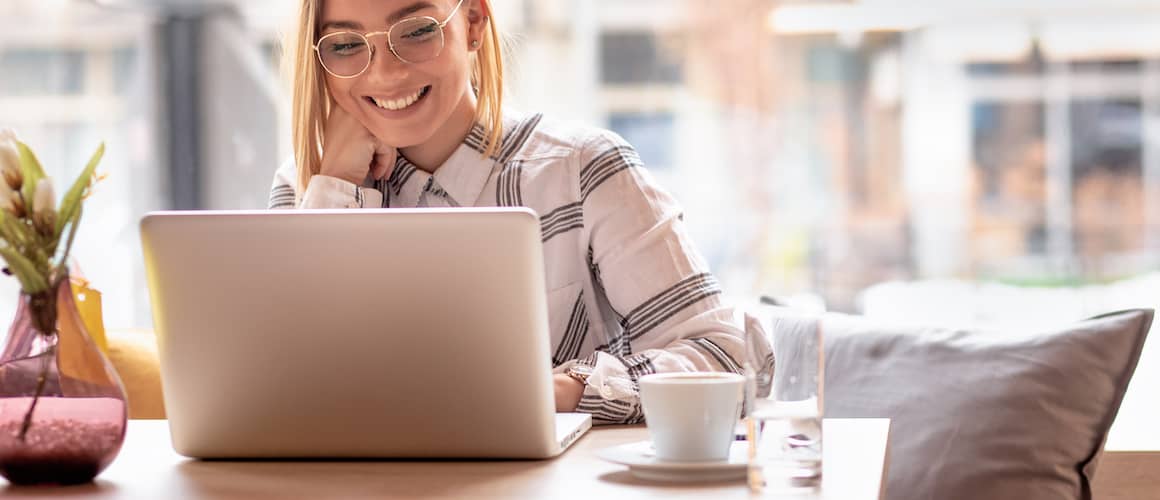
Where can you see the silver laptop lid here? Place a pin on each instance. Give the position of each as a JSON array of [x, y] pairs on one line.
[[368, 333]]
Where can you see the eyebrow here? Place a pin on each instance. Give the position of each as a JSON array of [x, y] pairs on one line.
[[397, 15]]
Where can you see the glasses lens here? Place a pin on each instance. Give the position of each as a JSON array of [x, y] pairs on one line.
[[417, 39], [344, 54]]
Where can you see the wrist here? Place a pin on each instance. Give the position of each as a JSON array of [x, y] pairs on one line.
[[328, 170], [569, 391], [579, 372], [340, 177]]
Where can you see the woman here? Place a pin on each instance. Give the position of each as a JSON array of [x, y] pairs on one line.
[[397, 103]]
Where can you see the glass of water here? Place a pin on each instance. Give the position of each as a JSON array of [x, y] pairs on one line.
[[784, 406]]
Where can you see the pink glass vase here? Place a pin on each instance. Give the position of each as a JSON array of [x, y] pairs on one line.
[[62, 406]]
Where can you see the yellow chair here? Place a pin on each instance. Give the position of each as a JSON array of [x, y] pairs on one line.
[[132, 352], [134, 356]]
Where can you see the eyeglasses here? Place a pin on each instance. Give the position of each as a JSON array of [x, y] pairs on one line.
[[347, 54]]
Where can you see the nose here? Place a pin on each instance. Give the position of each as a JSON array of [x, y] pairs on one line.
[[385, 67]]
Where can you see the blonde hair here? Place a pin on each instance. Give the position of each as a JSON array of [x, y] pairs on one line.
[[310, 100]]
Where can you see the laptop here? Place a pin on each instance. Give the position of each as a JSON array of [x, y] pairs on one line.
[[381, 333]]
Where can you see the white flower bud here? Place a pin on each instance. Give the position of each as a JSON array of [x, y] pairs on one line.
[[44, 207], [44, 201], [9, 159], [7, 198]]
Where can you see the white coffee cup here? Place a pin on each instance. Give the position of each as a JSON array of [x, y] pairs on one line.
[[691, 416]]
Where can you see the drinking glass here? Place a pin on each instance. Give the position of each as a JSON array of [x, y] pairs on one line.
[[784, 406]]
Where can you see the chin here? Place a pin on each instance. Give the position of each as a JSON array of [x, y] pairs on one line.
[[402, 119], [399, 138]]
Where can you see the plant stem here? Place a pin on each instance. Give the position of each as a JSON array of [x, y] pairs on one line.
[[44, 314], [40, 380]]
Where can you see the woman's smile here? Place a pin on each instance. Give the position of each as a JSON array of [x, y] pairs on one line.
[[399, 103]]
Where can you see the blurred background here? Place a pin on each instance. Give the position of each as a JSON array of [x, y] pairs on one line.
[[979, 161]]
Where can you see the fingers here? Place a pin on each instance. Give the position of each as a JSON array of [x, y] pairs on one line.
[[338, 126], [352, 152], [384, 160], [348, 149]]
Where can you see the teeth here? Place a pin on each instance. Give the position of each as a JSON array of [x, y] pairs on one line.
[[397, 104]]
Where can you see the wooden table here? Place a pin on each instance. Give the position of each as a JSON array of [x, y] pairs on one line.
[[1130, 466], [148, 468]]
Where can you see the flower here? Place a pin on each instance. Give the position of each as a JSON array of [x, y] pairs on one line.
[[36, 230], [44, 207], [43, 201], [35, 238], [10, 160], [8, 198]]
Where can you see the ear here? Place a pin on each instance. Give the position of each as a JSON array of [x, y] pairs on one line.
[[478, 15]]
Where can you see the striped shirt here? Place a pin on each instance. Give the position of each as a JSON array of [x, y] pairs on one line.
[[628, 294]]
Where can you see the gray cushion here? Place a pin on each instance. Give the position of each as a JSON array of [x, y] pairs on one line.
[[984, 415]]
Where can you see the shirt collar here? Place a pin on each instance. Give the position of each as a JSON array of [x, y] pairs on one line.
[[463, 176], [465, 173]]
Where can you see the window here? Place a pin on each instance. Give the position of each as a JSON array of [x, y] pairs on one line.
[[1009, 192], [808, 160], [64, 98], [41, 71], [650, 133], [1107, 182], [828, 62], [126, 62], [639, 57]]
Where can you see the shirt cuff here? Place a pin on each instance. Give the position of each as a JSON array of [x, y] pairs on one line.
[[611, 395], [331, 192]]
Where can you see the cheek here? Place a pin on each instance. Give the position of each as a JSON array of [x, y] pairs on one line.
[[455, 73], [339, 90]]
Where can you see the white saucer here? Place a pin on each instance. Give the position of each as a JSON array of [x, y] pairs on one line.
[[643, 463]]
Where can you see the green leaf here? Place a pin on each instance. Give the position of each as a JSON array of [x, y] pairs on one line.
[[70, 205], [39, 255], [31, 280], [15, 231], [72, 233], [26, 242], [31, 170]]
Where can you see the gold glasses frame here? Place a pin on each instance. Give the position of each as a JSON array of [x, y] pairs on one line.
[[390, 42]]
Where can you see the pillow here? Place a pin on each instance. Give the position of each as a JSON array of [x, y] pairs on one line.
[[979, 414]]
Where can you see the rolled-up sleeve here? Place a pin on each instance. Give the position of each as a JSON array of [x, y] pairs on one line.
[[668, 306], [322, 192]]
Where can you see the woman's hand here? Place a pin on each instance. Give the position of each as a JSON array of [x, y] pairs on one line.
[[351, 153], [568, 392]]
